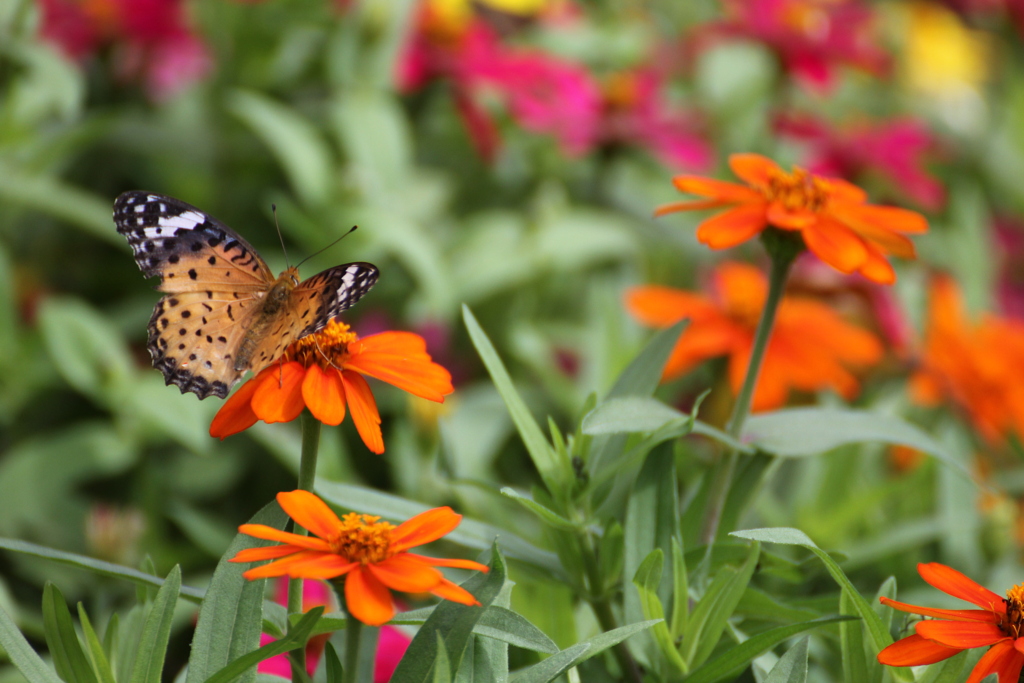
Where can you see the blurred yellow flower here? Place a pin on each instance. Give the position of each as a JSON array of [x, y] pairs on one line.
[[943, 57]]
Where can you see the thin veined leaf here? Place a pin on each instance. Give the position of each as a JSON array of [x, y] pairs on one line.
[[231, 617], [95, 566], [680, 590], [442, 668], [556, 664], [546, 514], [95, 650], [556, 473], [21, 653], [949, 671], [455, 622], [879, 635], [647, 581], [630, 415], [735, 659], [156, 631], [295, 639], [470, 533], [851, 643], [332, 663], [68, 657], [792, 666]]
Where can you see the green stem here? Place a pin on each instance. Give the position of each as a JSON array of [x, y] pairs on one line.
[[307, 475], [782, 259], [353, 636]]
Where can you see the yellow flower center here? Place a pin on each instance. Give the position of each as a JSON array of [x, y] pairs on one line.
[[796, 191], [1013, 622], [326, 348], [362, 538]]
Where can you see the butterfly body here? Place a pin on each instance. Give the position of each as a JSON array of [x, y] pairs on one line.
[[224, 313]]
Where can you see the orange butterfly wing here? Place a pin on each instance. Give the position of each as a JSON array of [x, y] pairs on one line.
[[217, 286]]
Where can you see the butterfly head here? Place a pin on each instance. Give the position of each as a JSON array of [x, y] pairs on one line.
[[282, 288]]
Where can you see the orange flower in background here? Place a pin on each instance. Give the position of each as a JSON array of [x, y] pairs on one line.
[[810, 347], [324, 372], [999, 624], [978, 366], [832, 215], [371, 554]]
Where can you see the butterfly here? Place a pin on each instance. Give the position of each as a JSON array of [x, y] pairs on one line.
[[225, 312]]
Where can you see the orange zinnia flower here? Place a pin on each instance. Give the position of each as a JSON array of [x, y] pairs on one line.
[[372, 555], [324, 371], [832, 215], [999, 624], [809, 349], [978, 366]]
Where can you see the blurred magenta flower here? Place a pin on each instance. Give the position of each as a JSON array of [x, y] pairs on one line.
[[811, 37], [391, 646], [894, 150], [150, 39], [1009, 239], [315, 593]]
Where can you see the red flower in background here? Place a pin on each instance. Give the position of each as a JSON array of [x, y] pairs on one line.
[[893, 150], [811, 37], [151, 39], [1009, 237]]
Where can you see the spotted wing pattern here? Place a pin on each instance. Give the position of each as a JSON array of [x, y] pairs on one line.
[[216, 286], [312, 304]]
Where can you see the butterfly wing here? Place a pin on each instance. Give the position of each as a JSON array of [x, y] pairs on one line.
[[215, 282], [312, 304]]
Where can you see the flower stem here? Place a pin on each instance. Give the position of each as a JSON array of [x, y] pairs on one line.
[[353, 637], [307, 474], [782, 259]]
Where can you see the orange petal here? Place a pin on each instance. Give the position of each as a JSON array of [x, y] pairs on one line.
[[789, 219], [407, 574], [401, 359], [460, 564], [952, 582], [742, 287], [752, 168], [450, 591], [309, 511], [720, 190], [326, 566], [953, 614], [423, 528], [367, 599], [732, 227], [1000, 659], [877, 268], [836, 245], [278, 398], [364, 410], [961, 634], [841, 190], [281, 567], [270, 552], [269, 533], [660, 306], [673, 207], [883, 217], [323, 392], [915, 651], [702, 341], [236, 414], [890, 241]]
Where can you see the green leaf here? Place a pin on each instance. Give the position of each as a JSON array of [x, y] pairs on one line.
[[372, 127], [68, 657], [555, 665], [95, 650], [294, 639], [298, 145], [470, 533], [95, 566], [231, 617], [546, 514], [335, 674], [878, 633], [647, 580], [792, 666], [21, 653], [454, 622], [611, 554], [711, 613], [156, 631], [802, 432], [948, 671], [557, 474], [851, 643], [680, 590], [442, 668], [629, 415], [735, 659]]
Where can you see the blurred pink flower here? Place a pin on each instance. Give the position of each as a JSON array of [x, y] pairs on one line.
[[391, 646], [634, 112], [1009, 238], [151, 39], [892, 149], [811, 37], [314, 594]]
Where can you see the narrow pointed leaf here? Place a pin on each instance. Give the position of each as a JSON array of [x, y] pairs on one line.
[[68, 656], [647, 580], [156, 631], [792, 666], [442, 668], [556, 664], [21, 654], [548, 515], [295, 639], [95, 650]]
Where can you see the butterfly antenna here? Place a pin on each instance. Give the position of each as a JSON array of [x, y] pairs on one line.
[[273, 209], [316, 253]]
